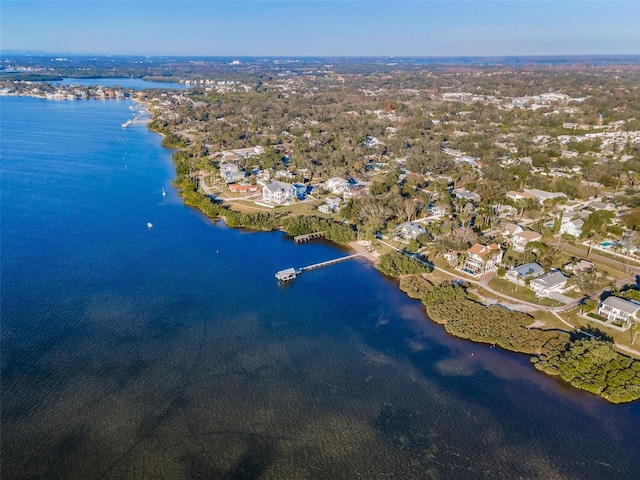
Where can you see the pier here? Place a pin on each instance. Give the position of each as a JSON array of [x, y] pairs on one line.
[[291, 273], [307, 237]]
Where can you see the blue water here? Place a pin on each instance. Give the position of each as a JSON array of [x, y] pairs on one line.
[[135, 83], [171, 352]]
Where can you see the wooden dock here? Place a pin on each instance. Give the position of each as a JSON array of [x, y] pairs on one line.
[[330, 262], [307, 237], [289, 274]]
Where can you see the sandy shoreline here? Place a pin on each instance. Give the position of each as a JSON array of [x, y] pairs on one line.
[[364, 247]]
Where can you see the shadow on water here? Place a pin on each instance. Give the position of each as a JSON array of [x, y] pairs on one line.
[[253, 463]]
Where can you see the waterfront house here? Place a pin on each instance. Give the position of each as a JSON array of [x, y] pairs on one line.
[[410, 230], [548, 284], [521, 273], [331, 205], [482, 260], [619, 310], [519, 240], [278, 193]]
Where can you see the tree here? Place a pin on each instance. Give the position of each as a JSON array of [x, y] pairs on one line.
[[589, 305], [537, 248], [596, 222]]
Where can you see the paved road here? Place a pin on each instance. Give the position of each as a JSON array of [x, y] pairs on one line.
[[581, 251]]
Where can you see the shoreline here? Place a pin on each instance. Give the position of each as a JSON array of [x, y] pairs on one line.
[[364, 248], [360, 246]]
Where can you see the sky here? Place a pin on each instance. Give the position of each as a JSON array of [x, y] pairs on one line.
[[321, 28]]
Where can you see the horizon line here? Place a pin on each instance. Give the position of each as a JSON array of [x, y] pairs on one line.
[[527, 55]]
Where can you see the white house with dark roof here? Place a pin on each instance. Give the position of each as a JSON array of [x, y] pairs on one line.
[[548, 284], [619, 310]]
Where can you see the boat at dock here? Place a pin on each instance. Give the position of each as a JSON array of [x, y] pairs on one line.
[[127, 123]]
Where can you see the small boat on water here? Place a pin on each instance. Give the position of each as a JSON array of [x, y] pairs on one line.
[[149, 224], [164, 194], [127, 123]]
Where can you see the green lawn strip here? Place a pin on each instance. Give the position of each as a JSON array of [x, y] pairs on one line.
[[521, 292]]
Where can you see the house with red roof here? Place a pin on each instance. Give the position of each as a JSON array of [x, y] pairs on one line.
[[482, 260]]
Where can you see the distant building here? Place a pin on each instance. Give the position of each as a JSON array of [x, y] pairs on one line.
[[542, 195], [371, 142], [511, 229], [337, 185], [466, 195], [506, 210], [572, 227], [580, 267], [439, 211], [231, 173], [513, 195]]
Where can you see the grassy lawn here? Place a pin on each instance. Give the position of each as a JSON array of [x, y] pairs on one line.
[[622, 338], [549, 319], [306, 208], [520, 293]]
